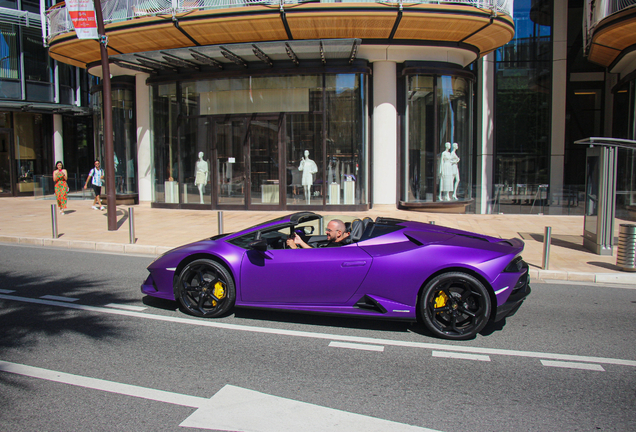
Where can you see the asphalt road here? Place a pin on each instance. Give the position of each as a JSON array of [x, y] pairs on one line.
[[82, 349]]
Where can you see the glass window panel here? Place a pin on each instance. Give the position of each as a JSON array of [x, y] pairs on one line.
[[195, 161], [346, 156], [420, 149], [229, 139], [523, 83], [164, 136], [264, 174], [454, 95], [304, 159]]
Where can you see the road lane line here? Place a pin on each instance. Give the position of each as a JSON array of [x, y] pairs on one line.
[[364, 347], [4, 291], [573, 365], [231, 408], [104, 385], [342, 338], [448, 354], [125, 307], [59, 298]]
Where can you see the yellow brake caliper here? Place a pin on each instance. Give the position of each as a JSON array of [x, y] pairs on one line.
[[440, 300], [219, 292]]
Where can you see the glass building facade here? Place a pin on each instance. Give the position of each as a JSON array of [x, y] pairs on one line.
[[34, 89], [523, 95]]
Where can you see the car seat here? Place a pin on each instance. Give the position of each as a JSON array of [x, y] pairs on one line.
[[357, 229]]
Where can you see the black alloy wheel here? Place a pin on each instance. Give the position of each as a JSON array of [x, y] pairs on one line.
[[455, 306], [205, 288]]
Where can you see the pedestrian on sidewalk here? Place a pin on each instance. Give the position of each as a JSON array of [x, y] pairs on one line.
[[61, 187], [97, 176]]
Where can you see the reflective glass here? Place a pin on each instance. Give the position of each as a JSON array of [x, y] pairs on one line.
[[523, 84], [438, 151], [164, 136], [346, 182]]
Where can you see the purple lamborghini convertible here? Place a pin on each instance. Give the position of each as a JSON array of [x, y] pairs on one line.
[[453, 281]]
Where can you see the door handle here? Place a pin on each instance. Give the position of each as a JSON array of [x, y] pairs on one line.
[[354, 264]]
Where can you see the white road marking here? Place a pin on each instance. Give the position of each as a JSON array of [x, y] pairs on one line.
[[364, 347], [238, 409], [573, 365], [343, 338], [231, 408], [463, 356], [59, 298], [125, 307], [103, 385], [4, 291]]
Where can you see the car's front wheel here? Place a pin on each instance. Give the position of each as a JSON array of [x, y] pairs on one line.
[[455, 306], [205, 288]]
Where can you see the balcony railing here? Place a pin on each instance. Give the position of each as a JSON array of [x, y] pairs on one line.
[[113, 11], [596, 11]]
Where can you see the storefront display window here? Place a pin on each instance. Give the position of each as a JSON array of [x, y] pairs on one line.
[[259, 142], [438, 149]]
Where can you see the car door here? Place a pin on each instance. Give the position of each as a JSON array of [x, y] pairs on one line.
[[317, 276]]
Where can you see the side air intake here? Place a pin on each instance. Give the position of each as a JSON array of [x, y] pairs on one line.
[[368, 303]]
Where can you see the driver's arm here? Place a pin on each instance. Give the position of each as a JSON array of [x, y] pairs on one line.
[[296, 241]]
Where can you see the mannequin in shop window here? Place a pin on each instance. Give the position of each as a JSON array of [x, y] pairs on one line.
[[454, 159], [445, 174], [308, 167], [202, 172]]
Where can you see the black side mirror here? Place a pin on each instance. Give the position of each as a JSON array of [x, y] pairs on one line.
[[259, 245]]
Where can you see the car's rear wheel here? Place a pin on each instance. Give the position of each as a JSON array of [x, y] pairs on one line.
[[455, 305], [205, 288]]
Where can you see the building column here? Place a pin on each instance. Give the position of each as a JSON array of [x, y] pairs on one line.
[[485, 135], [384, 163], [144, 150], [58, 138], [559, 85]]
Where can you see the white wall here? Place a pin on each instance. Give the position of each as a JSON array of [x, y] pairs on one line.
[[144, 150], [384, 162]]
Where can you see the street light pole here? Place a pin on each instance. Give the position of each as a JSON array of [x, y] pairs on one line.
[[107, 109]]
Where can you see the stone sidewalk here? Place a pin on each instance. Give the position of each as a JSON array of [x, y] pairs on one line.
[[26, 220]]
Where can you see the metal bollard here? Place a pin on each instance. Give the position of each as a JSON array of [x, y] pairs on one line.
[[131, 225], [546, 248], [54, 220], [219, 216]]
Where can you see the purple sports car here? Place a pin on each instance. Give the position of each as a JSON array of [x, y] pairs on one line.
[[453, 281]]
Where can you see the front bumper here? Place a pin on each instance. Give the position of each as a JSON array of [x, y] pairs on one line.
[[518, 295]]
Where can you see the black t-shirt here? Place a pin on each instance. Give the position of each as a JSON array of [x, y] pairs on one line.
[[334, 244]]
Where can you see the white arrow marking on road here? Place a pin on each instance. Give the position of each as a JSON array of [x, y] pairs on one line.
[[573, 365], [237, 409], [344, 338], [461, 356], [232, 408], [364, 347]]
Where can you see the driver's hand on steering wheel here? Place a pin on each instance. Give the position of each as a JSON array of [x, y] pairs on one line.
[[291, 244]]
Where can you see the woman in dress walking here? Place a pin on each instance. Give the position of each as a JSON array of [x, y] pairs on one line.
[[61, 187]]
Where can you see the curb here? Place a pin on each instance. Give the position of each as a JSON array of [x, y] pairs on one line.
[[87, 245], [134, 249]]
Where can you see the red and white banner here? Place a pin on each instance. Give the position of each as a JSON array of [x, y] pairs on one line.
[[82, 14]]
